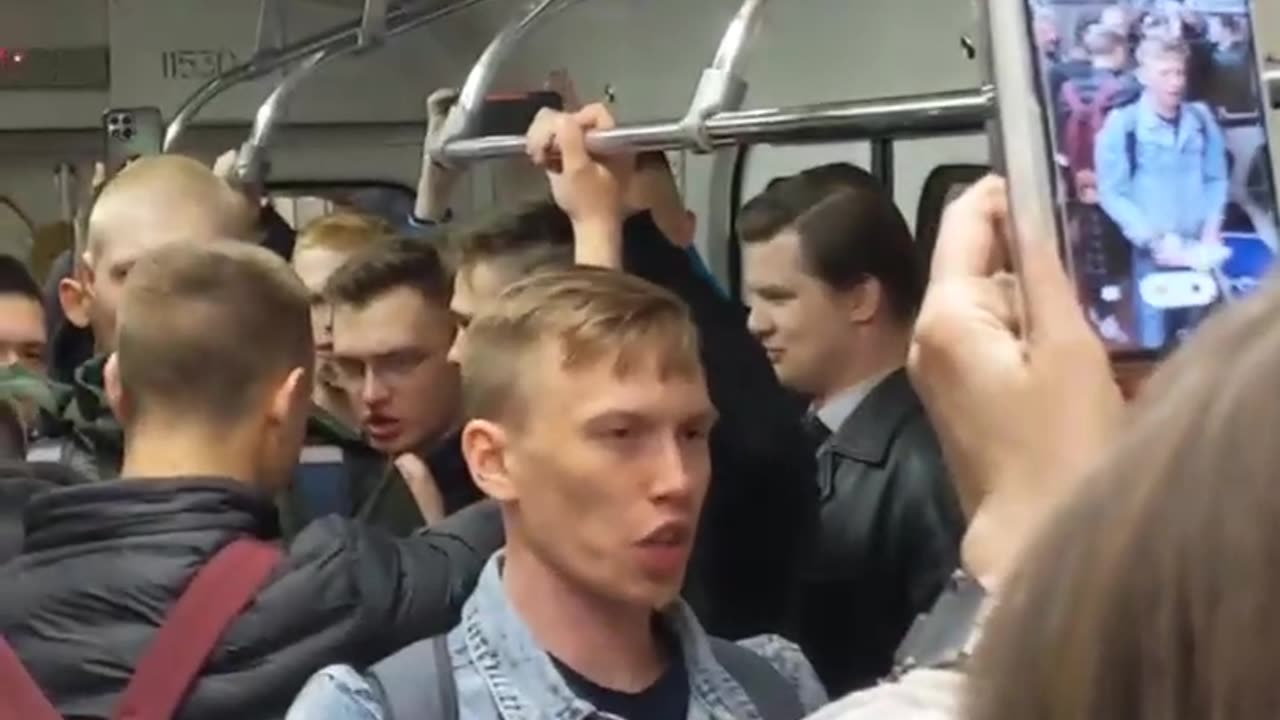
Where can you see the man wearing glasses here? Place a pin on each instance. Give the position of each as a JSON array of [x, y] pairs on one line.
[[391, 335]]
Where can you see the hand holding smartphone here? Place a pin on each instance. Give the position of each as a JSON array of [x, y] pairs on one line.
[[1137, 138]]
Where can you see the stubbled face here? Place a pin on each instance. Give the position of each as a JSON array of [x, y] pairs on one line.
[[22, 332], [796, 316], [610, 472], [391, 358], [474, 286], [314, 265]]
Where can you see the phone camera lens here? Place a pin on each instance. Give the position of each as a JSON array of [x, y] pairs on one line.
[[127, 133], [127, 119]]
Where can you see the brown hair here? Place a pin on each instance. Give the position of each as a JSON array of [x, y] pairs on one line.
[[345, 232], [849, 229], [533, 236], [205, 328], [384, 267], [591, 313], [1151, 597]]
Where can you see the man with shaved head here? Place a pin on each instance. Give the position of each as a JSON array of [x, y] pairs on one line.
[[154, 202], [211, 377]]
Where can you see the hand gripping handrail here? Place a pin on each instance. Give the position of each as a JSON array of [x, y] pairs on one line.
[[340, 40], [462, 117], [953, 112]]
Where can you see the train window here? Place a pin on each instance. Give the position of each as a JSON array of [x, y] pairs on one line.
[[301, 202]]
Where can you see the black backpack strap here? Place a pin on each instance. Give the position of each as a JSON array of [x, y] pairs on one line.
[[404, 682], [773, 695]]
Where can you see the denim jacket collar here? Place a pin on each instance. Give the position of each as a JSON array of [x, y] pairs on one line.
[[524, 683]]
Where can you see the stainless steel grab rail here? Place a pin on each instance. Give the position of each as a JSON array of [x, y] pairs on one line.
[[895, 117], [339, 41], [462, 117]]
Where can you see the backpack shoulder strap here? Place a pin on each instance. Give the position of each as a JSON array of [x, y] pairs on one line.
[[219, 592], [772, 694], [20, 695], [403, 681]]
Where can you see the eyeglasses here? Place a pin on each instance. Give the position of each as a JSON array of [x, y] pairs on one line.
[[391, 369]]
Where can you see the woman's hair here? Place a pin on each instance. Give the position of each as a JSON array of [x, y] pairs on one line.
[[1153, 595]]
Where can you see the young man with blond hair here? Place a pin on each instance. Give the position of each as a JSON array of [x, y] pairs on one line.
[[588, 421]]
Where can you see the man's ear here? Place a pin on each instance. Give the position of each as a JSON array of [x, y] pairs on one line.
[[295, 391], [862, 302], [75, 296], [484, 445], [116, 397]]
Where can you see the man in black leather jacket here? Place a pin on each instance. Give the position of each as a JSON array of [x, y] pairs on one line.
[[211, 381], [834, 283]]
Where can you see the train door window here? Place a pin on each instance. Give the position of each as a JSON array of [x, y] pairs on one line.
[[299, 203]]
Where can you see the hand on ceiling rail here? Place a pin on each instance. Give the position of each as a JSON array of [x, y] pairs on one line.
[[461, 120]]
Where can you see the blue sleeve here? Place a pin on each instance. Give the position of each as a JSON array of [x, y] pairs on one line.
[[1115, 178], [1216, 176], [337, 692], [417, 229], [700, 266]]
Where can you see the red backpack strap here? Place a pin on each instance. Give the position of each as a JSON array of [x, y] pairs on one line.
[[218, 594], [20, 696]]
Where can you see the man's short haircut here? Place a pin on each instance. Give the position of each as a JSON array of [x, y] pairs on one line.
[[169, 182], [16, 279], [384, 267], [206, 328], [1161, 44], [1102, 41], [535, 236], [849, 228], [345, 232], [593, 314]]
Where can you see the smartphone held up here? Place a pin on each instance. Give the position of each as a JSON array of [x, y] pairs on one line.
[[1150, 158]]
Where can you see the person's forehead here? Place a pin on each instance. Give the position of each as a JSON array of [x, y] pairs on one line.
[[314, 265], [21, 318], [597, 387], [394, 318], [780, 256]]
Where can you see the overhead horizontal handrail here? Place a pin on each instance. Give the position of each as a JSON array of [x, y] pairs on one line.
[[721, 88], [340, 40], [909, 116], [462, 117]]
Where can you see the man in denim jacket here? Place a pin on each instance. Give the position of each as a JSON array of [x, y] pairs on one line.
[[1162, 177], [589, 419]]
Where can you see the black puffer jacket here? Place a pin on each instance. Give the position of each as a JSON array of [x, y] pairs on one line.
[[103, 563]]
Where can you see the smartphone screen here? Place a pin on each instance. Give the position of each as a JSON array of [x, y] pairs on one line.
[[1163, 189]]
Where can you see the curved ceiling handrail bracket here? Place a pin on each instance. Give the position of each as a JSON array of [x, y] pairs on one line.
[[460, 123], [342, 39], [251, 162], [1272, 76], [721, 88]]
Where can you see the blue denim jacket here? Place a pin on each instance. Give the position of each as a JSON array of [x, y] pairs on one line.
[[1180, 181], [502, 674]]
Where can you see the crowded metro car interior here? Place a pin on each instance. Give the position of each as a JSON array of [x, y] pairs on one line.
[[375, 359]]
